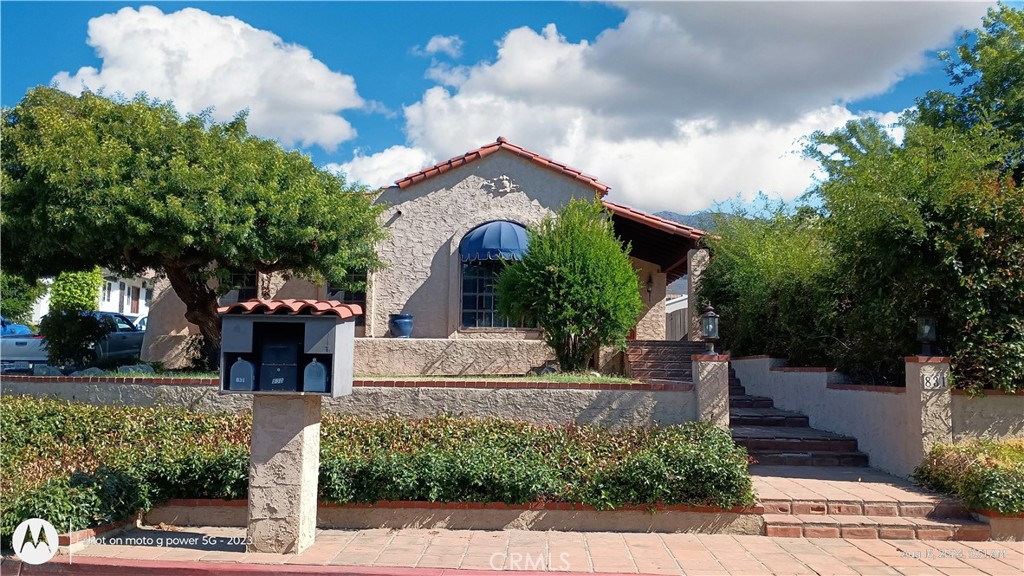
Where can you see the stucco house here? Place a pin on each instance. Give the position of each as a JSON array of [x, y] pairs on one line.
[[440, 270]]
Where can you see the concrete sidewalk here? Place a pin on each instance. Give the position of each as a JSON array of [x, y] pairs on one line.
[[422, 552]]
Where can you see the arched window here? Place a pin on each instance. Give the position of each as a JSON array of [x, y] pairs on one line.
[[484, 251]]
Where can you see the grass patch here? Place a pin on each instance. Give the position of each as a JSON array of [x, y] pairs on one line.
[[87, 465], [985, 474]]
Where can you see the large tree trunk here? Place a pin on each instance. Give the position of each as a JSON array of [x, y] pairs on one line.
[[200, 309]]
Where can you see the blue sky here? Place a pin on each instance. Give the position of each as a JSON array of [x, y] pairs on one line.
[[676, 105]]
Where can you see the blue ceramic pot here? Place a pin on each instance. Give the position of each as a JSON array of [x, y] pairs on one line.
[[400, 325]]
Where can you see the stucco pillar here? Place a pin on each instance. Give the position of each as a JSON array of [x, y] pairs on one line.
[[697, 261], [711, 382], [283, 473], [929, 406]]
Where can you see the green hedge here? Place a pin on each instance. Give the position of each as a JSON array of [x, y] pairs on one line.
[[985, 474], [82, 465]]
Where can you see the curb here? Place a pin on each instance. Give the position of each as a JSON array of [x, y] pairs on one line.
[[88, 566]]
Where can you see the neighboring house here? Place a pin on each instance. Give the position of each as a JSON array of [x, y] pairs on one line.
[[129, 296], [449, 226], [677, 317]]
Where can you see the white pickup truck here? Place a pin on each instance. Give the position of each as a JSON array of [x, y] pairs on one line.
[[22, 351]]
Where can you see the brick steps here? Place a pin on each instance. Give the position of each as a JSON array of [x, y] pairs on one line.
[[779, 437], [940, 507], [888, 527], [795, 445], [745, 401], [856, 502], [766, 417], [779, 458], [653, 360]]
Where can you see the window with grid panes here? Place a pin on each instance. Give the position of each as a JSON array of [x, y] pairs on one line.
[[352, 291], [479, 302]]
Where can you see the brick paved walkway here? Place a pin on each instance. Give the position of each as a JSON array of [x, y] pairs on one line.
[[591, 552]]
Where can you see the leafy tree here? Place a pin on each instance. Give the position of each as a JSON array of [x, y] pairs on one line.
[[72, 332], [989, 65], [932, 225], [17, 296], [76, 290], [576, 281], [771, 282], [130, 185]]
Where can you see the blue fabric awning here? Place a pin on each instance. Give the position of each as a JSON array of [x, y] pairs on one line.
[[494, 241]]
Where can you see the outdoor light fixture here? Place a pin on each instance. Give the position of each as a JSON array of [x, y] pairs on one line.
[[650, 284], [926, 333], [709, 328]]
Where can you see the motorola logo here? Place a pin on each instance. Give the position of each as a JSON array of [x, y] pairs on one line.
[[35, 541]]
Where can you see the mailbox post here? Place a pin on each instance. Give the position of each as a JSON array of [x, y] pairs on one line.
[[287, 354]]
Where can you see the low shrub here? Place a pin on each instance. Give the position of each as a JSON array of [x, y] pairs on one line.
[[985, 474], [79, 466]]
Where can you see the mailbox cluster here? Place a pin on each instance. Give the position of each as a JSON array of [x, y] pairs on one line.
[[288, 347]]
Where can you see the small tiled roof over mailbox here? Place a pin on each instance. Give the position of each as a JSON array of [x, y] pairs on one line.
[[294, 308]]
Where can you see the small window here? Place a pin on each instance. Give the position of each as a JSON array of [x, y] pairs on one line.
[[106, 291], [244, 283], [352, 290], [147, 295]]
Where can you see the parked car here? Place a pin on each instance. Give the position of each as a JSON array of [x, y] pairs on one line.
[[8, 328], [140, 323], [124, 341]]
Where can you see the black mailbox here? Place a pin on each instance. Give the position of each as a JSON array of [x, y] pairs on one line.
[[288, 347]]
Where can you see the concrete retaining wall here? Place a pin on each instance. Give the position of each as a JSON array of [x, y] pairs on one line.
[[479, 517], [544, 403], [448, 357], [992, 415]]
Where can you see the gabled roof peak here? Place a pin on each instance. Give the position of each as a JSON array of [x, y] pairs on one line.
[[502, 143]]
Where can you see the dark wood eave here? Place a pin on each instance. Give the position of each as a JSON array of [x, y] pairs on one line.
[[655, 239]]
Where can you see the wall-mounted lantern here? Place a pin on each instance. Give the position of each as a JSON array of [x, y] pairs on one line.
[[709, 328], [926, 333]]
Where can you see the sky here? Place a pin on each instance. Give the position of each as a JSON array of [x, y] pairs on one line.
[[676, 105]]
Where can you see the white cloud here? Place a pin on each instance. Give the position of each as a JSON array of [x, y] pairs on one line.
[[684, 104], [199, 60], [383, 168], [438, 44]]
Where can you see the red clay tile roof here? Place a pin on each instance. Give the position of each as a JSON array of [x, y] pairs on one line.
[[293, 308], [503, 144], [654, 221]]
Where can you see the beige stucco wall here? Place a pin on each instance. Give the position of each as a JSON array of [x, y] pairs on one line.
[[877, 420], [449, 357], [993, 416], [608, 408], [651, 325], [428, 220]]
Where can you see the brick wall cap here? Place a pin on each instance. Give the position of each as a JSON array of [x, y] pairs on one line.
[[710, 358], [926, 359]]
